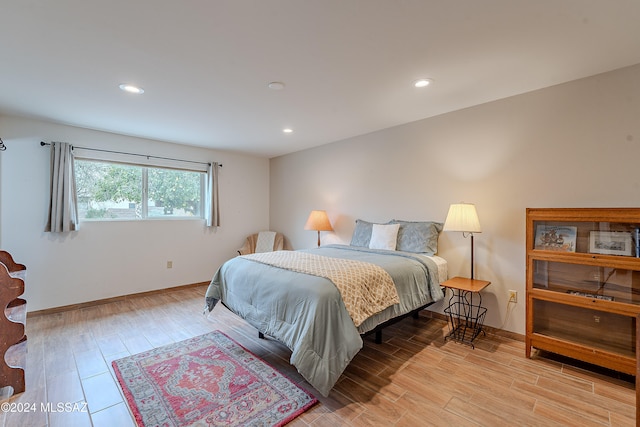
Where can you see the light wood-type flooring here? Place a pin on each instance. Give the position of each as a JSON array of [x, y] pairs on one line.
[[414, 378]]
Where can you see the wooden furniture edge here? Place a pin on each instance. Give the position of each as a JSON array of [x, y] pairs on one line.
[[637, 369], [12, 324], [466, 284], [87, 304], [610, 214], [7, 260]]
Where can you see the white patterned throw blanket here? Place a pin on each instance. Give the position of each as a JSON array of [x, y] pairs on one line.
[[365, 288]]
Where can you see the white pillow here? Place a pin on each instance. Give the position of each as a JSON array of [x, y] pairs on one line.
[[384, 236]]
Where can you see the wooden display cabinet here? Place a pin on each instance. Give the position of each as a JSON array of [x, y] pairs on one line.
[[583, 285]]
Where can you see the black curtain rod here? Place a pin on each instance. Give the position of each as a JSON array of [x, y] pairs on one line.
[[42, 143]]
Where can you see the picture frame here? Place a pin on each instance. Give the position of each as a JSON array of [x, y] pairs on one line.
[[611, 243], [555, 238]]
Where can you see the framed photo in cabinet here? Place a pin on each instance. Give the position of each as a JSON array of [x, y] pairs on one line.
[[555, 238], [611, 243]]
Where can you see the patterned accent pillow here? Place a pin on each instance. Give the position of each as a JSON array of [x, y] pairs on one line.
[[418, 236], [362, 233]]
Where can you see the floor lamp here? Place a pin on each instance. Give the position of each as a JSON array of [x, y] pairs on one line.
[[463, 217], [319, 221]]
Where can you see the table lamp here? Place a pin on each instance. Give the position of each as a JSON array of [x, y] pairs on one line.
[[463, 217], [319, 221]]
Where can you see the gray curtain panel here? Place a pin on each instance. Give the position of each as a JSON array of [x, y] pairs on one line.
[[63, 202], [212, 204]]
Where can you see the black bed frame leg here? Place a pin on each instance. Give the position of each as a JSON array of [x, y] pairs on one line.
[[379, 336], [260, 335]]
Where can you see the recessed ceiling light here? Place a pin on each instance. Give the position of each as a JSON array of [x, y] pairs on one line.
[[422, 82], [131, 89], [287, 130], [276, 85]]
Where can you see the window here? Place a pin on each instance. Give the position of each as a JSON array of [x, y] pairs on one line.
[[112, 191]]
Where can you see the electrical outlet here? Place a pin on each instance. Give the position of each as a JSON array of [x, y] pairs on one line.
[[513, 296], [169, 264]]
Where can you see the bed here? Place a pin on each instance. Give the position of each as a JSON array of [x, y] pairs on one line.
[[311, 312]]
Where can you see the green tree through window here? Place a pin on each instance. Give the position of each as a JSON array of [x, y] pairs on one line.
[[117, 191], [173, 189]]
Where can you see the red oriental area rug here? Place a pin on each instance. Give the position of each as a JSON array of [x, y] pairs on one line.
[[209, 380]]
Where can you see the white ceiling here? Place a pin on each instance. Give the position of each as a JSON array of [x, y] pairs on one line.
[[348, 65]]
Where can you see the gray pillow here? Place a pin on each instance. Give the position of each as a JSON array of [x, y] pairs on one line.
[[362, 233], [418, 236]]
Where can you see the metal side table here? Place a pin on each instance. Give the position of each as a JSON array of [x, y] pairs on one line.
[[465, 311]]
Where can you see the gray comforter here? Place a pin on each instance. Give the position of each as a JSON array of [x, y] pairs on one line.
[[306, 312]]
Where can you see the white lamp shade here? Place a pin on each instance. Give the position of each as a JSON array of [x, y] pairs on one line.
[[462, 217], [318, 220]]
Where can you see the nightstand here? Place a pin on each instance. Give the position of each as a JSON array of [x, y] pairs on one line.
[[465, 311]]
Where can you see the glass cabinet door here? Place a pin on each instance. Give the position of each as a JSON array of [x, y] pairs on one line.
[[596, 329], [591, 281]]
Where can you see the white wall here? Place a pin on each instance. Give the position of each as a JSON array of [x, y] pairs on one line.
[[107, 259], [572, 145]]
